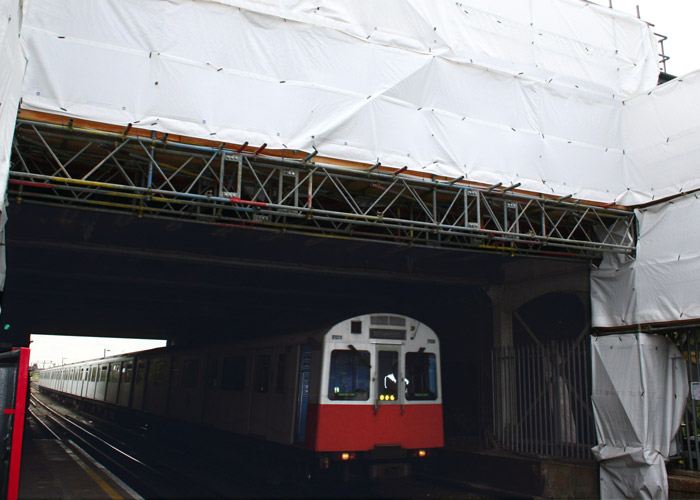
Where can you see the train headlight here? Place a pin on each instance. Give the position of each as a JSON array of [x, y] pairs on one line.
[[347, 456], [422, 453]]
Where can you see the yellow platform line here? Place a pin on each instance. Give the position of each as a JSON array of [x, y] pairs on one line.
[[94, 476]]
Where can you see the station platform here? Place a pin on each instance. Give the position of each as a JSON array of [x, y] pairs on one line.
[[55, 469]]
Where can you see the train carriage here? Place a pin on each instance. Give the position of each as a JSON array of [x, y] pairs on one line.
[[366, 388]]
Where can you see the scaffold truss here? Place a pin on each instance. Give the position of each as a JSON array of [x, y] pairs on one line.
[[149, 174]]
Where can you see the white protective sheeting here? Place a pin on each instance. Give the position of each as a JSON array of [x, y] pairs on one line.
[[661, 283], [639, 395], [509, 91], [661, 135], [12, 66], [662, 158]]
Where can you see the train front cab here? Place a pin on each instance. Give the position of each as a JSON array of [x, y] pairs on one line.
[[379, 399]]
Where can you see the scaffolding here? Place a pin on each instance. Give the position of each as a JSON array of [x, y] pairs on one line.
[[59, 162]]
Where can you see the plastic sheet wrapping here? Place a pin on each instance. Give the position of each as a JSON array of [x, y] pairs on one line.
[[662, 141], [513, 91], [11, 73], [640, 388], [661, 283]]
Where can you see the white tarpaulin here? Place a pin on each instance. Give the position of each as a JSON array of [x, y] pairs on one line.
[[661, 284], [556, 95], [639, 395], [661, 136], [511, 91], [12, 66]]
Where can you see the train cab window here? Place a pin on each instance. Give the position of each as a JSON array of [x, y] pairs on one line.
[[93, 374], [233, 374], [103, 373], [421, 372], [349, 375], [190, 373], [262, 373], [388, 375]]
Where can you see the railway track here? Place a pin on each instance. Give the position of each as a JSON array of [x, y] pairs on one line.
[[175, 468], [145, 480], [151, 471]]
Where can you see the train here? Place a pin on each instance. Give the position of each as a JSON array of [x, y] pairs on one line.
[[366, 389]]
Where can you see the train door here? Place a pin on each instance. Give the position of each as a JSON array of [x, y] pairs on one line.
[[125, 383], [139, 384], [390, 394], [303, 385], [186, 388], [71, 384], [101, 388], [83, 380], [157, 385], [115, 369], [210, 408], [259, 397], [91, 382]]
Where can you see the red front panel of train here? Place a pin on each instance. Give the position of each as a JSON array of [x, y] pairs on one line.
[[359, 428]]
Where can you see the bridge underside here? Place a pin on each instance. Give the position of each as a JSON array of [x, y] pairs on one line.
[[133, 234], [82, 272]]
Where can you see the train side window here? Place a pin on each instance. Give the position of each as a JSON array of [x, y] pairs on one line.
[[233, 374], [114, 370], [126, 373], [262, 373], [349, 375], [93, 374], [421, 372], [159, 374], [103, 373], [281, 372], [212, 373], [190, 373], [140, 371]]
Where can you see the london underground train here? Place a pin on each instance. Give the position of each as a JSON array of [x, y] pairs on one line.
[[365, 389]]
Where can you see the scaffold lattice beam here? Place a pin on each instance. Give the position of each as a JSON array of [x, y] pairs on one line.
[[152, 175]]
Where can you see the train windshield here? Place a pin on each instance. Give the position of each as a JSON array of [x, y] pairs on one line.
[[349, 375], [421, 372]]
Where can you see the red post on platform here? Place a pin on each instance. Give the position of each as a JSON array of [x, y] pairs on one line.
[[18, 422]]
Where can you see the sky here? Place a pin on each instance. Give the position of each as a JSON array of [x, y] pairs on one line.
[[52, 350], [675, 19]]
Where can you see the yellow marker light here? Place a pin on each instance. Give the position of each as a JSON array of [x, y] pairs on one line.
[[345, 456], [392, 397], [421, 453], [381, 397]]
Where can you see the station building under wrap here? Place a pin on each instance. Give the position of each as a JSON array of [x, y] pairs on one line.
[[558, 97]]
